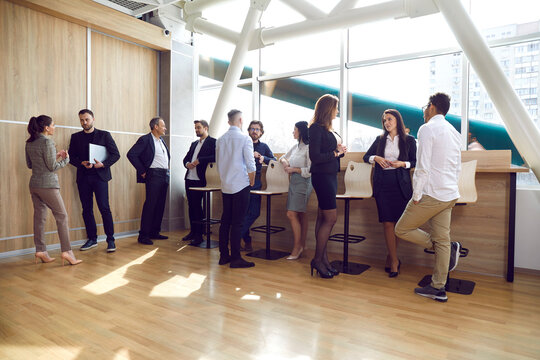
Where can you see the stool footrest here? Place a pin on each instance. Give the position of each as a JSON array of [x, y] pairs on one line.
[[351, 268], [353, 239], [273, 229], [268, 254], [457, 286]]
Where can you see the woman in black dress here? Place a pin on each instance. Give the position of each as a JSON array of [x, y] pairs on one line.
[[394, 154], [325, 149]]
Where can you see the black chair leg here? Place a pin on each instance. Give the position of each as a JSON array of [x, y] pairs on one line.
[[345, 266], [208, 243], [268, 229]]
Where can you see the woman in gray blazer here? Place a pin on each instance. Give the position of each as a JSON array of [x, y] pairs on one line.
[[42, 158]]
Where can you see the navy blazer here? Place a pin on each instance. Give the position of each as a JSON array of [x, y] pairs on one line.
[[404, 175], [322, 144], [78, 152], [141, 155], [207, 155]]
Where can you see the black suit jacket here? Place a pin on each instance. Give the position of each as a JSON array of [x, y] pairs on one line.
[[207, 154], [322, 144], [404, 175], [141, 155], [78, 152]]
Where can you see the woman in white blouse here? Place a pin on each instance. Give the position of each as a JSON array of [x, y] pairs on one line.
[[394, 154], [296, 162]]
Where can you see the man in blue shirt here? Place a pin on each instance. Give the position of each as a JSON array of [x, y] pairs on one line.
[[236, 168], [262, 154]]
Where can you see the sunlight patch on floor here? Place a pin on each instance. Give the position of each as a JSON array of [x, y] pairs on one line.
[[116, 278], [251, 296], [179, 286]]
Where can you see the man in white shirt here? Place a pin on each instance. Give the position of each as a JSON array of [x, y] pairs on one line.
[[200, 154], [435, 192], [150, 157], [236, 167]]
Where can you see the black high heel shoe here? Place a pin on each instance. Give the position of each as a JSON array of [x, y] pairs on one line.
[[319, 267], [395, 273]]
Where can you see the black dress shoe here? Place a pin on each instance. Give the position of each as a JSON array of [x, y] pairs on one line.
[[196, 242], [159, 237], [247, 247], [188, 237], [241, 263], [224, 260], [145, 241]]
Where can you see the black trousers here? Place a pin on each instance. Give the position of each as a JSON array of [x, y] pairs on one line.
[[234, 212], [88, 186], [157, 184], [195, 205]]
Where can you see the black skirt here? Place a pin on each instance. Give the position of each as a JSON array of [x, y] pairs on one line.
[[325, 186], [390, 200]]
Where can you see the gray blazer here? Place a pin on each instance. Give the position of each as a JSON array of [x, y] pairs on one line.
[[41, 158]]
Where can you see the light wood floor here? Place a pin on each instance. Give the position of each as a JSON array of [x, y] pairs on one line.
[[172, 301]]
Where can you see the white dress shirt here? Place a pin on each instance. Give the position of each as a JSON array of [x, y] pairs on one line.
[[161, 158], [438, 161], [192, 173], [391, 152], [234, 160], [298, 157]]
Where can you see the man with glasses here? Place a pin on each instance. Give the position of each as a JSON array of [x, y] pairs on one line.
[[435, 192], [262, 154]]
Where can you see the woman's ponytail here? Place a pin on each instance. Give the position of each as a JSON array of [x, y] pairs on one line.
[[36, 125]]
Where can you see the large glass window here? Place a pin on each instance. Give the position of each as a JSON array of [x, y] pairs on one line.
[[405, 86], [287, 101]]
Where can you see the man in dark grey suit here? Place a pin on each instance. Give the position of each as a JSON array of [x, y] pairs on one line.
[[93, 177], [150, 157], [200, 154]]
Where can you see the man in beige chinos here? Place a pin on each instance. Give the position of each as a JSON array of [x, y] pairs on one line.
[[435, 192]]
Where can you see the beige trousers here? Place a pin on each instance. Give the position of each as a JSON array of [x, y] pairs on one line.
[[438, 214], [49, 198]]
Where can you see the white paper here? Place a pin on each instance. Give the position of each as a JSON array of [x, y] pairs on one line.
[[97, 152]]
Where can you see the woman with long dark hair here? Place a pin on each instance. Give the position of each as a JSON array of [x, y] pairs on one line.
[[296, 162], [394, 154], [42, 158], [325, 149]]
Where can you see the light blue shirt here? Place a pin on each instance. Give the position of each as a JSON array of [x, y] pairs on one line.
[[234, 160]]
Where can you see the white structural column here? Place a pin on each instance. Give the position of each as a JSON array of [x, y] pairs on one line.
[[218, 121], [388, 10], [305, 8], [343, 5], [521, 128]]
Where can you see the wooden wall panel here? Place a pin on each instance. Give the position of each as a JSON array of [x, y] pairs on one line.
[[43, 65], [124, 84]]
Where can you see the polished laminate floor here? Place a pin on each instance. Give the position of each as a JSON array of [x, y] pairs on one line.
[[172, 301]]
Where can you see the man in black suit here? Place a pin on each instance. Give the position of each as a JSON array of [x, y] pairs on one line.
[[93, 177], [150, 157], [200, 154]]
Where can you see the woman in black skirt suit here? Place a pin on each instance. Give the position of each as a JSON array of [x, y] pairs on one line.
[[394, 154], [325, 149]]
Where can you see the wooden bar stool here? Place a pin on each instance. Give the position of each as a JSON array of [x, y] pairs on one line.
[[468, 195], [277, 183], [213, 183], [357, 187]]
